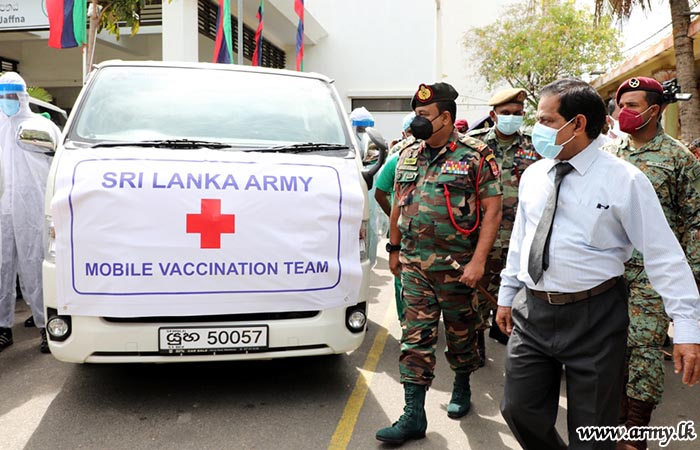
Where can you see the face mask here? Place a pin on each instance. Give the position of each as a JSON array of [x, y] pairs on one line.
[[9, 106], [616, 129], [422, 128], [508, 125], [631, 121], [544, 138]]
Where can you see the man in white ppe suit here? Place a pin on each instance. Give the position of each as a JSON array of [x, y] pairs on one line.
[[24, 176]]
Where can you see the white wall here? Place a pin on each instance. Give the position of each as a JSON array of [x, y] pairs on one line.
[[374, 49]]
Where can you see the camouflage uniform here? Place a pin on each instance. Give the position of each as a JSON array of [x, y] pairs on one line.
[[512, 160], [675, 174], [430, 284]]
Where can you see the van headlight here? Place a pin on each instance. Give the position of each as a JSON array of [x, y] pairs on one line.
[[50, 240], [364, 240]]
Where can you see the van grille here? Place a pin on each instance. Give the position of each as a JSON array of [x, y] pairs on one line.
[[217, 318]]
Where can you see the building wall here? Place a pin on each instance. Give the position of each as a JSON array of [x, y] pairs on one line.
[[375, 49]]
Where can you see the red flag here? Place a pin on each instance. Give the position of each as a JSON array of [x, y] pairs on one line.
[[257, 53], [223, 48], [67, 22], [299, 9]]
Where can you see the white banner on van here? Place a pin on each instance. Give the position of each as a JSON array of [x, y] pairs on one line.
[[201, 232]]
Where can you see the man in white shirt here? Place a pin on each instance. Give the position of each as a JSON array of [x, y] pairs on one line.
[[568, 250]]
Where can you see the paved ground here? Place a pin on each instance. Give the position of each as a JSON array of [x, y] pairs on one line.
[[305, 403]]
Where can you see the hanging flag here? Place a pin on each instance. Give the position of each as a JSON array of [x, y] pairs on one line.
[[299, 9], [67, 23], [223, 48], [257, 53]]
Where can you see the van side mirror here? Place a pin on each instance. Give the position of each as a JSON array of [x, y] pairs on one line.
[[376, 139], [36, 136]]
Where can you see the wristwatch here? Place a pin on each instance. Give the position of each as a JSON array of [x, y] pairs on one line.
[[392, 248]]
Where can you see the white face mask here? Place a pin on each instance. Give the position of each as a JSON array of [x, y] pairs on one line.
[[616, 131], [544, 138], [508, 125]]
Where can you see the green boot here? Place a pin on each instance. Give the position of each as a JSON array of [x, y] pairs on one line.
[[412, 423], [461, 396]]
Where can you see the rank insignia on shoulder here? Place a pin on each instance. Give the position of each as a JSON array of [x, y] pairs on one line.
[[473, 143], [455, 167], [492, 163]]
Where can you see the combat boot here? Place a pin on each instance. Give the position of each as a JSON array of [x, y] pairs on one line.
[[44, 344], [5, 338], [461, 397], [638, 415], [481, 347], [412, 423]]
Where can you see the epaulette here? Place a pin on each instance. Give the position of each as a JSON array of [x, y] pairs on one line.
[[476, 144], [485, 152], [405, 143], [478, 131]]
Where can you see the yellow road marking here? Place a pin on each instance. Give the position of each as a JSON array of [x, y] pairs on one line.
[[346, 425]]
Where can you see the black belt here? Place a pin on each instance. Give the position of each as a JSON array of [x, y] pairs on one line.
[[563, 298]]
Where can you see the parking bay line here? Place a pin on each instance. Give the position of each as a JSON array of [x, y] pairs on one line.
[[346, 424]]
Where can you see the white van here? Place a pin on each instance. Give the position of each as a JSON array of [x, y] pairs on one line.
[[204, 212]]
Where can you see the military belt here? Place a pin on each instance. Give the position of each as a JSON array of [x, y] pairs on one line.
[[563, 298]]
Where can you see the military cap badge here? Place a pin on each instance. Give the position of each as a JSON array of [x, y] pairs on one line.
[[425, 93], [634, 83]]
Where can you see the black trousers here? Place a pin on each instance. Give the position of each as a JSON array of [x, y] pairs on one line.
[[588, 338]]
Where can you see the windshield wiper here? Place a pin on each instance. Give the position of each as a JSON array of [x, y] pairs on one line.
[[307, 147], [185, 144]]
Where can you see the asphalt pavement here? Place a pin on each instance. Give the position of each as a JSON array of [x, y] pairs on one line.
[[302, 403]]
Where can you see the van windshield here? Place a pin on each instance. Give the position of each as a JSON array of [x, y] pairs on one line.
[[241, 109]]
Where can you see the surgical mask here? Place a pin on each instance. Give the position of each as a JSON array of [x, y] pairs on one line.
[[544, 138], [9, 106], [616, 129], [422, 128], [631, 121], [508, 125]]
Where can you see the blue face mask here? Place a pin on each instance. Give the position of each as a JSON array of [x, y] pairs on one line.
[[9, 106], [508, 125], [544, 138]]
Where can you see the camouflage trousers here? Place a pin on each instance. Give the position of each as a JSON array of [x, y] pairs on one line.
[[426, 295], [491, 283], [648, 326]]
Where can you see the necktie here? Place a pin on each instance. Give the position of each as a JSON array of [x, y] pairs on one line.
[[539, 251]]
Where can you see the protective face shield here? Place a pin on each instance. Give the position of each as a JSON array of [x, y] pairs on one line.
[[631, 121], [544, 138], [13, 91], [406, 124], [508, 124], [422, 128]]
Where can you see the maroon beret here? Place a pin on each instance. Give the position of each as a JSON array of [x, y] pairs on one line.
[[639, 84]]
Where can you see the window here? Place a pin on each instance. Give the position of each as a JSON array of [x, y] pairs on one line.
[[383, 104]]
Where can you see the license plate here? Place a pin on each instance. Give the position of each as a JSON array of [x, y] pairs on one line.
[[212, 339]]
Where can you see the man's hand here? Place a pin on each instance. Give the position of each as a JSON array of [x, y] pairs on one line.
[[504, 319], [473, 272], [686, 357], [394, 264]]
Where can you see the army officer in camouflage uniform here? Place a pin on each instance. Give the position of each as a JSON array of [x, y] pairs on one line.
[[514, 153], [447, 208], [675, 174]]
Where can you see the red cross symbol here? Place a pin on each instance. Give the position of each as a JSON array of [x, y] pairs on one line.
[[210, 223]]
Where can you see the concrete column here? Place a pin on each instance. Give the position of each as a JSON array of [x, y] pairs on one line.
[[180, 34]]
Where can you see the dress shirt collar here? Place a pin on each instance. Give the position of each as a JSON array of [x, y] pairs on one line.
[[584, 159]]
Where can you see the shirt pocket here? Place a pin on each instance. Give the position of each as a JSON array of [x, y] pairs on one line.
[[599, 225], [461, 204]]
